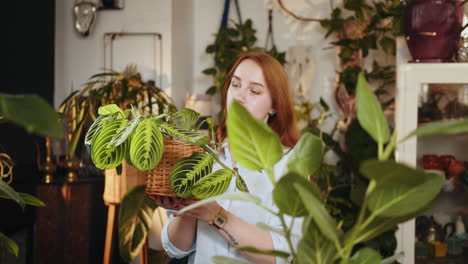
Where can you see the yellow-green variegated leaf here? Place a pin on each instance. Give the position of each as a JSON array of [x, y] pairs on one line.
[[126, 131], [94, 129], [146, 147], [109, 110], [105, 157], [184, 135], [185, 118], [212, 184], [187, 171], [241, 185]]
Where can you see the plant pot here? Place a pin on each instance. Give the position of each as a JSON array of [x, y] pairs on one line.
[[432, 29], [117, 185]]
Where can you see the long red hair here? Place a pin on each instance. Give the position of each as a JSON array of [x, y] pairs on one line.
[[283, 122]]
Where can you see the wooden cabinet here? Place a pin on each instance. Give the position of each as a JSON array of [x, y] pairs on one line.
[[71, 228]]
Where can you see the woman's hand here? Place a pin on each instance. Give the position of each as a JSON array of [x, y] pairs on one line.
[[206, 212]]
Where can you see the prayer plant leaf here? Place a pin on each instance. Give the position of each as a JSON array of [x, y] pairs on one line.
[[125, 132], [94, 129], [241, 185], [234, 196], [135, 219], [187, 171], [287, 198], [253, 144], [109, 110], [314, 247], [146, 147], [400, 190], [184, 135], [213, 184], [369, 112], [319, 213], [185, 118], [105, 157], [306, 156]]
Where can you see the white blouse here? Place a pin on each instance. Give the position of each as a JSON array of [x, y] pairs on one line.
[[209, 243]]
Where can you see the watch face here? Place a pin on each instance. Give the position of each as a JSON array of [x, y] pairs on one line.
[[85, 14]]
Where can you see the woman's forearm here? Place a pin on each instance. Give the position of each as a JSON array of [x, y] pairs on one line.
[[181, 231], [239, 233]]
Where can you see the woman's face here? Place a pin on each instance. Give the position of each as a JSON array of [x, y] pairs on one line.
[[249, 88]]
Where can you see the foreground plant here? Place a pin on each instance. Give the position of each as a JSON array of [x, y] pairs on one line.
[[395, 194]]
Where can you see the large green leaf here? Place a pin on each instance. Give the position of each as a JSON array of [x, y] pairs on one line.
[[94, 129], [31, 112], [187, 171], [185, 118], [213, 184], [125, 132], [105, 157], [287, 198], [135, 218], [366, 256], [314, 247], [319, 213], [441, 127], [400, 190], [8, 193], [306, 156], [234, 196], [228, 260], [369, 112], [184, 135], [253, 144], [146, 147], [109, 110], [9, 244]]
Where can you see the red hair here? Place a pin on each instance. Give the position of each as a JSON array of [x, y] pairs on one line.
[[283, 122]]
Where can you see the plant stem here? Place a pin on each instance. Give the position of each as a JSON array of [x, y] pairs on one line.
[[271, 175], [215, 157], [380, 150], [390, 147], [287, 235]]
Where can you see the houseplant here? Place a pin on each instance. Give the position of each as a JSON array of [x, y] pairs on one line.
[[396, 192], [36, 116]]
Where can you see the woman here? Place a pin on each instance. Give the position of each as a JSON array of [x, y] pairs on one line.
[[260, 84]]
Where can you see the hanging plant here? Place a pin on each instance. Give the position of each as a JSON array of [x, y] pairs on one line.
[[119, 135]]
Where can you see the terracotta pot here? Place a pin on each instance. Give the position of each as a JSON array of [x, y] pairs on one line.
[[432, 29]]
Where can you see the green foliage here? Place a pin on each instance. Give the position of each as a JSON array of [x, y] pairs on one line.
[[306, 156], [135, 219], [146, 147], [188, 171], [229, 43], [213, 184]]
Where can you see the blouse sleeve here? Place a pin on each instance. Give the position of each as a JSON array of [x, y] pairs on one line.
[[170, 249]]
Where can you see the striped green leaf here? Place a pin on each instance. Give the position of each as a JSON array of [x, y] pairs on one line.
[[94, 129], [187, 171], [105, 157], [184, 135], [185, 118], [212, 184], [146, 147], [109, 110], [241, 185], [126, 131]]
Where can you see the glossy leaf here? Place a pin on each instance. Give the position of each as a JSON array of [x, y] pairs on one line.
[[32, 113], [287, 198], [187, 171], [135, 219], [125, 132], [320, 215], [9, 244], [441, 127], [366, 256], [109, 110], [234, 196], [306, 156], [185, 118], [146, 147], [400, 190], [184, 135], [108, 157], [369, 112], [213, 184], [314, 247], [253, 144], [9, 193]]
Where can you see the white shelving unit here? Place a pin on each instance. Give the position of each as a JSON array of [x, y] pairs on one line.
[[410, 78]]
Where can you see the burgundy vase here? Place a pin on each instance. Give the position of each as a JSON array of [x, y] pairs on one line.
[[432, 29]]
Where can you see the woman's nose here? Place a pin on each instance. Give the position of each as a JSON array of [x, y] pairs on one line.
[[240, 95]]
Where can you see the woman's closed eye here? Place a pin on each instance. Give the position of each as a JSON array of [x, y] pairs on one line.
[[255, 91]]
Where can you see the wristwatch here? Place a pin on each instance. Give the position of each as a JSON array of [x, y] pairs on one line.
[[220, 219]]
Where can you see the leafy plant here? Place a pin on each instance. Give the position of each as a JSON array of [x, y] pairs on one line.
[[36, 116], [229, 42], [396, 192]]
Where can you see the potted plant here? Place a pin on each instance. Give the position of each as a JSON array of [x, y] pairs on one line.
[[396, 192]]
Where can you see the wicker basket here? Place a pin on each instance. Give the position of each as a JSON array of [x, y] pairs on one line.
[[157, 180]]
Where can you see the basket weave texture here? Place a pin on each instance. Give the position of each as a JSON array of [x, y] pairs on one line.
[[158, 179]]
